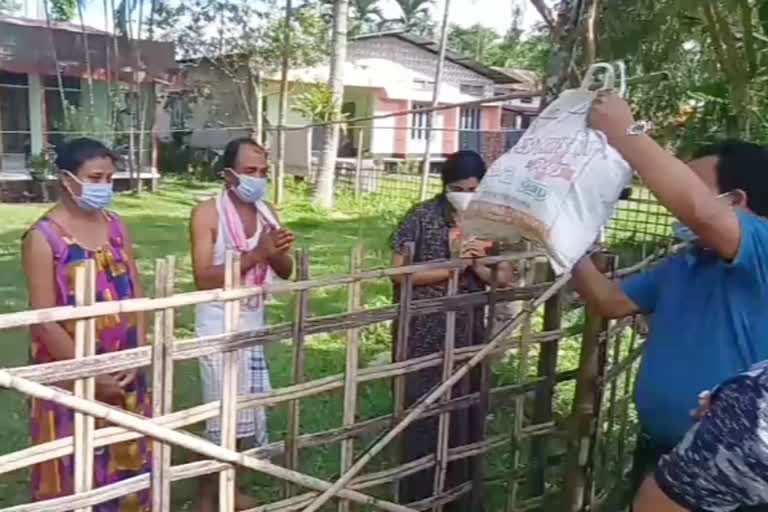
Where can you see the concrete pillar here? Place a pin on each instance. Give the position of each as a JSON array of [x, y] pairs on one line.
[[36, 98]]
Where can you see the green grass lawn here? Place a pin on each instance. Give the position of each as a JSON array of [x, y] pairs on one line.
[[159, 226]]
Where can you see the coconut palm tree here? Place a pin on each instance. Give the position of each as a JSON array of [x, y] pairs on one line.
[[365, 13], [415, 17], [88, 70], [325, 178]]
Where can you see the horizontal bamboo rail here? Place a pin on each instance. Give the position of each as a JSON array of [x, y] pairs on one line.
[[41, 380]]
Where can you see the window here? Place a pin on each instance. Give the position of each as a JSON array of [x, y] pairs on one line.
[[179, 110], [472, 89], [54, 109], [470, 119], [14, 113], [349, 109], [420, 122], [419, 84]]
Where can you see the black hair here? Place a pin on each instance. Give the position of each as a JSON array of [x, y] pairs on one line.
[[232, 149], [744, 166], [462, 165], [73, 154]]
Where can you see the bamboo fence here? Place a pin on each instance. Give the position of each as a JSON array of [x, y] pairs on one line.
[[538, 457]]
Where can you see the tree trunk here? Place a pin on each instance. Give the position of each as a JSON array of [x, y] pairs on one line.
[[88, 70], [590, 33], [327, 173], [282, 108], [59, 81], [424, 188]]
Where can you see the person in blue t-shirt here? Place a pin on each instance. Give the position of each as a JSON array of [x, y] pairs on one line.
[[709, 304]]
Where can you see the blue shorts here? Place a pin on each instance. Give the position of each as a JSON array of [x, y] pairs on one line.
[[722, 463]]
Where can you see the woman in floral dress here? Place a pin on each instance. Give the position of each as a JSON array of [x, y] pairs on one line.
[[77, 229]]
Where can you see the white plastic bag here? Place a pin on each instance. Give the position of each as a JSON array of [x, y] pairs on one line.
[[559, 184]]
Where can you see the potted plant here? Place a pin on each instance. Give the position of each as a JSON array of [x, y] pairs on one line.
[[40, 168]]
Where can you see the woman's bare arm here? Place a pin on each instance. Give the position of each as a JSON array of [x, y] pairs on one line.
[[37, 260]]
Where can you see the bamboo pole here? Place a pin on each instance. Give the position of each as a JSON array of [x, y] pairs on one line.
[[400, 353], [168, 346], [63, 313], [158, 384], [444, 423], [359, 161], [182, 439], [230, 384], [518, 430], [584, 410], [106, 436], [542, 403], [350, 375], [297, 372], [85, 345], [207, 345], [426, 164], [432, 396]]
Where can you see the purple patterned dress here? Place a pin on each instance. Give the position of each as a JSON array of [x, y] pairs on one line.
[[54, 478]]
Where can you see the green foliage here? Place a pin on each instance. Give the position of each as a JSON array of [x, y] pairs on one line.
[[63, 10], [707, 95], [41, 164], [9, 6], [364, 15], [514, 50], [316, 103], [415, 17]]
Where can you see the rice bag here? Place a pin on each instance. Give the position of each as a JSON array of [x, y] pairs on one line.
[[559, 184]]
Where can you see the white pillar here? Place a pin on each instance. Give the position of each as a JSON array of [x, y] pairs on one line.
[[36, 98]]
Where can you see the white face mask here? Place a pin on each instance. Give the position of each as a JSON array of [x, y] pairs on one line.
[[459, 200]]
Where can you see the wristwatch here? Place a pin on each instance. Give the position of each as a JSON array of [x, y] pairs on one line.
[[639, 128]]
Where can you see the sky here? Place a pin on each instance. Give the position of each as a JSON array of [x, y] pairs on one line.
[[492, 13]]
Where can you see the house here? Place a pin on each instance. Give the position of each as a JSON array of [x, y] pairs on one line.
[[384, 73], [38, 107], [518, 113]]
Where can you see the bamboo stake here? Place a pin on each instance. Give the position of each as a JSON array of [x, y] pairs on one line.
[[168, 346], [479, 419], [432, 396], [518, 429], [359, 163], [85, 345], [350, 376], [401, 353], [230, 384], [297, 372], [158, 383], [182, 439], [542, 403], [444, 424]]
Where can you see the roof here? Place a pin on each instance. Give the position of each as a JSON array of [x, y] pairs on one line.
[[58, 25], [526, 80], [489, 72], [26, 47]]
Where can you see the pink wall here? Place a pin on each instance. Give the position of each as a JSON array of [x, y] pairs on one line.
[[491, 119], [450, 135], [398, 135]]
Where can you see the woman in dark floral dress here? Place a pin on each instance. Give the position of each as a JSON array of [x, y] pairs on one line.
[[431, 226]]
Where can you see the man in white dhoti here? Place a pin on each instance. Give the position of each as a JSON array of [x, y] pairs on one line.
[[237, 219]]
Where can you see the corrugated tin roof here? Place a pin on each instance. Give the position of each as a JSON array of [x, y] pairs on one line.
[[57, 25], [489, 72]]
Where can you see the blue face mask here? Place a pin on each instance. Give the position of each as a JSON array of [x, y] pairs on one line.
[[683, 232], [93, 196], [250, 188]]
